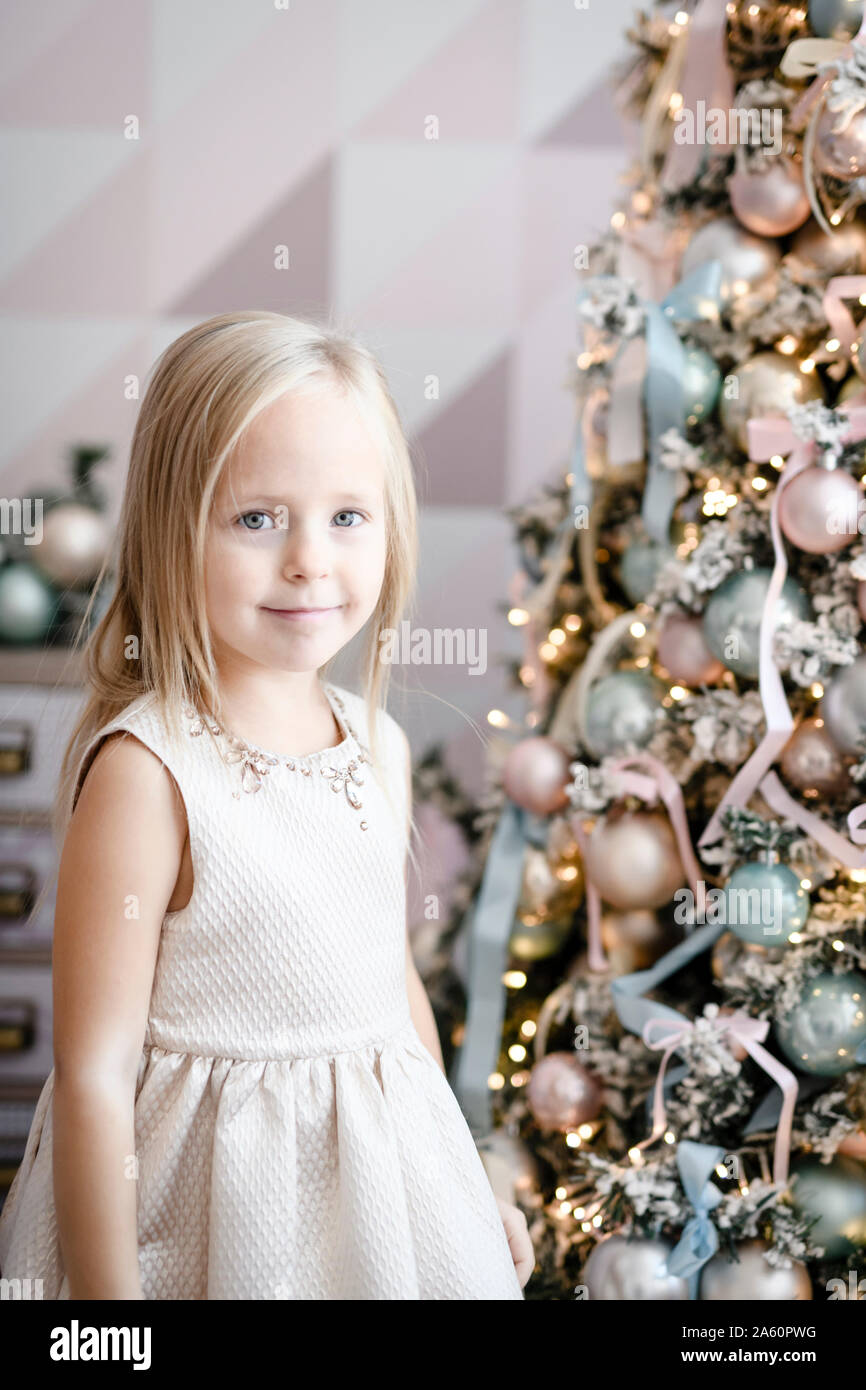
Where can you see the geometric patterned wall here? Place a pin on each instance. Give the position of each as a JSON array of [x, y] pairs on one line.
[[304, 125]]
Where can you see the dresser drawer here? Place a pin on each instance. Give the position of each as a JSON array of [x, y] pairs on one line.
[[26, 1041], [28, 861], [36, 722]]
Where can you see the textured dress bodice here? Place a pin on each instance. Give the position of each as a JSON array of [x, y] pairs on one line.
[[294, 1137]]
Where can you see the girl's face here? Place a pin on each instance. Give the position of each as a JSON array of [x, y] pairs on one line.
[[298, 522]]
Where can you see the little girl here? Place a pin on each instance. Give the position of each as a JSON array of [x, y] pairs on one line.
[[241, 1104]]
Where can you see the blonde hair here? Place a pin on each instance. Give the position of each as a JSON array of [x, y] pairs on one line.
[[206, 389]]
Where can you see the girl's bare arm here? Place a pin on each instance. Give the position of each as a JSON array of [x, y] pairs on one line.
[[119, 865]]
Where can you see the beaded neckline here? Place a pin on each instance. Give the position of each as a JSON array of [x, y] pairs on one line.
[[341, 763]]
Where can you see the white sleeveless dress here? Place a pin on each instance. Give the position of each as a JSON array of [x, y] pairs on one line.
[[295, 1138]]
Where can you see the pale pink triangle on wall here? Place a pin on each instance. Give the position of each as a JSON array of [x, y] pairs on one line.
[[227, 157], [591, 121], [97, 260], [565, 200], [246, 278], [99, 414], [464, 275], [472, 84], [465, 448], [95, 73]]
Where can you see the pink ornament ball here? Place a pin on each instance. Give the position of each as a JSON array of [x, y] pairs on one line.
[[536, 775], [633, 860], [683, 651], [854, 1145], [561, 1093], [773, 202], [819, 510]]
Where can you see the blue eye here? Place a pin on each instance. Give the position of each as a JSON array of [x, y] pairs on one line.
[[254, 528], [348, 513]]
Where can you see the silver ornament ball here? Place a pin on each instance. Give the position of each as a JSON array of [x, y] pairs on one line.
[[747, 261], [732, 617], [751, 1278], [844, 708], [621, 708], [631, 1271]]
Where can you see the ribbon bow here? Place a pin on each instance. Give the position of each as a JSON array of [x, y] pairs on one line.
[[700, 1239], [750, 1034], [648, 373], [768, 437]]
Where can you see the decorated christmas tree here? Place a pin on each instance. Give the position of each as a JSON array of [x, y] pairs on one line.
[[664, 1053]]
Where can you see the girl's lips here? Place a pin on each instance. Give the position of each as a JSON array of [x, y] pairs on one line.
[[299, 614]]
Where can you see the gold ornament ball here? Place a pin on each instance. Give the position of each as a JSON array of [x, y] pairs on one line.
[[633, 860], [766, 384], [532, 940], [812, 763], [852, 389], [823, 256], [633, 940]]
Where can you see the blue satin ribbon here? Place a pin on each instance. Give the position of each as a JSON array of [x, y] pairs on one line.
[[696, 1161], [628, 990], [696, 297], [700, 1239], [490, 932]]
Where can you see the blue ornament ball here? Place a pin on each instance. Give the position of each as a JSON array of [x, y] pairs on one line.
[[28, 604], [765, 902], [832, 19], [639, 567], [732, 617], [701, 382], [835, 1192], [621, 708], [822, 1033]]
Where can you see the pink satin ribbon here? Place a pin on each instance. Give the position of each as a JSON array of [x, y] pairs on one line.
[[749, 1033], [768, 437], [805, 106], [660, 782], [706, 76]]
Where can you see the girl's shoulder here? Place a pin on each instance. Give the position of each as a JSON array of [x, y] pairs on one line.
[[161, 731], [390, 732]]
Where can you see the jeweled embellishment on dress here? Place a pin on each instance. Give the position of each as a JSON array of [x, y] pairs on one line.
[[256, 764]]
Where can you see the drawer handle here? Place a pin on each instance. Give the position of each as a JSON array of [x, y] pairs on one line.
[[17, 891], [16, 746], [17, 1025]]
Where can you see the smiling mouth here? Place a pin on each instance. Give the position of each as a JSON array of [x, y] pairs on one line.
[[302, 612]]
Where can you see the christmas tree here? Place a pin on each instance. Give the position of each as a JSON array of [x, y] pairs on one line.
[[664, 1053]]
